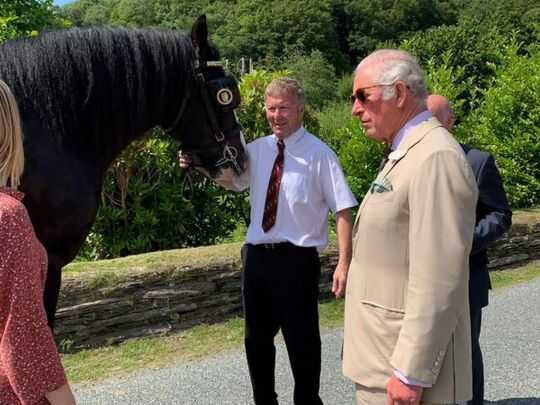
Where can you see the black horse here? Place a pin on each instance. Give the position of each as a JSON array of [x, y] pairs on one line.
[[85, 94]]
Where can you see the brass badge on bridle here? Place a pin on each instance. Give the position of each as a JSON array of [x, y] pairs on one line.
[[224, 97]]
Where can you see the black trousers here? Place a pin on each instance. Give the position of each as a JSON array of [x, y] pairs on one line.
[[280, 291], [477, 360]]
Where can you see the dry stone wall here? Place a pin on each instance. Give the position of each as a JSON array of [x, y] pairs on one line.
[[104, 309]]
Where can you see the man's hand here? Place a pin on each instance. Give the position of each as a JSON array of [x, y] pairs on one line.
[[184, 159], [399, 393], [339, 280]]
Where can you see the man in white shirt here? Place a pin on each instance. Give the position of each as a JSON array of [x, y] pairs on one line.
[[294, 180]]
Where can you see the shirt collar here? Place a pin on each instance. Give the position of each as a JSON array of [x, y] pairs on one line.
[[409, 126], [292, 139]]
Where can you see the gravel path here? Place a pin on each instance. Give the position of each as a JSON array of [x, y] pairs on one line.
[[510, 340]]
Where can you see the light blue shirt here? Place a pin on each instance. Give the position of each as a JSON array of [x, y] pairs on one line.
[[409, 126]]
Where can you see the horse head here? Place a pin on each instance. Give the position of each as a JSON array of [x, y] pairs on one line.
[[206, 123]]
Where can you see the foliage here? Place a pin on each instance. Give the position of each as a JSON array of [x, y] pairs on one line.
[[27, 17], [316, 75], [359, 155], [134, 13], [507, 124], [267, 30], [344, 87], [365, 23], [521, 16], [241, 28], [481, 54], [144, 205], [473, 49], [450, 81]]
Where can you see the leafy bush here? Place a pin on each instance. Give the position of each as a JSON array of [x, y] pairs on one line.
[[507, 124], [344, 88], [359, 155], [145, 206], [27, 18], [317, 76], [473, 49]]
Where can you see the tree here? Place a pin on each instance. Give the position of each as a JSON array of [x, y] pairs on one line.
[[27, 17], [266, 31], [507, 124], [475, 49], [366, 23]]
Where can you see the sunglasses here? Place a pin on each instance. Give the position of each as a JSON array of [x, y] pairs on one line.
[[360, 94]]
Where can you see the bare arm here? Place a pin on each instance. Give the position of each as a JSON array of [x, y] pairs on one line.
[[344, 232], [61, 396]]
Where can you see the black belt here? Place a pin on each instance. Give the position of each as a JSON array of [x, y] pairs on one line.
[[280, 246]]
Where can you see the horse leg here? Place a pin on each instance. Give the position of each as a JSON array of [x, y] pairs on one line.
[[52, 288]]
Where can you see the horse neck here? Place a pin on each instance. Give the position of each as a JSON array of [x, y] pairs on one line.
[[161, 94]]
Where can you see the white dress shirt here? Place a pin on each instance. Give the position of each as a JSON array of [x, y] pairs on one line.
[[312, 184]]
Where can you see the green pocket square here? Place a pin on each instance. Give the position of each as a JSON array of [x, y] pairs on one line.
[[380, 186]]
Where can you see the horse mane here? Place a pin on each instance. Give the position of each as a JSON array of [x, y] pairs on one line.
[[87, 81]]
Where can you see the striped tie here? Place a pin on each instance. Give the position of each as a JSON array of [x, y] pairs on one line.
[[272, 195]]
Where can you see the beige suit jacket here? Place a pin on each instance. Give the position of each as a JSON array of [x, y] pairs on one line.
[[406, 304]]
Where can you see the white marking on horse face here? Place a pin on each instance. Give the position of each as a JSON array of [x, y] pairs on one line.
[[243, 140], [225, 175]]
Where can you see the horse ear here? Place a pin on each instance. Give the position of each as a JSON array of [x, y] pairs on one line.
[[199, 33]]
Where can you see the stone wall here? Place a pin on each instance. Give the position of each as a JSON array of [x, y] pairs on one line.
[[97, 310]]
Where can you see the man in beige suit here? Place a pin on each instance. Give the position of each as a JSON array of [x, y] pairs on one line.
[[407, 331]]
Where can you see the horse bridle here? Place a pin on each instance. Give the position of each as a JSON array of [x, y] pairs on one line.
[[225, 98]]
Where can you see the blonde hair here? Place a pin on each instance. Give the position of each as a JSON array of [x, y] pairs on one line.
[[11, 144]]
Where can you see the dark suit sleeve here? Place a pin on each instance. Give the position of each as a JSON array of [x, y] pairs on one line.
[[494, 213]]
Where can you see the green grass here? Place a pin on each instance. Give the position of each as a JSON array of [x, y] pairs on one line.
[[529, 216], [204, 340], [506, 278], [155, 261], [206, 255], [153, 352]]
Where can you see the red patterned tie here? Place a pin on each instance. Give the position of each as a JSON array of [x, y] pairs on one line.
[[272, 195]]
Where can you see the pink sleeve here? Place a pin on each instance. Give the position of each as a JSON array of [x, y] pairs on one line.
[[28, 352]]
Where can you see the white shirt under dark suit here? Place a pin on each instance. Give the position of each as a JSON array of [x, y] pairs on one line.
[[281, 266]]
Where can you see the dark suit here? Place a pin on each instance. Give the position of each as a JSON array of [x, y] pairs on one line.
[[493, 218]]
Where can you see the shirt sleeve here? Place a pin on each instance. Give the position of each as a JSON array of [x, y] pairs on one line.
[[411, 381], [28, 352], [496, 215], [336, 191]]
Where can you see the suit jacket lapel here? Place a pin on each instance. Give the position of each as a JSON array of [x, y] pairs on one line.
[[416, 135]]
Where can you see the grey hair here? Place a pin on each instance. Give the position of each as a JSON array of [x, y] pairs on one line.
[[394, 65], [286, 85]]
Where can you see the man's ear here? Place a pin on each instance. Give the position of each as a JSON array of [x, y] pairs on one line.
[[402, 93], [199, 34]]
